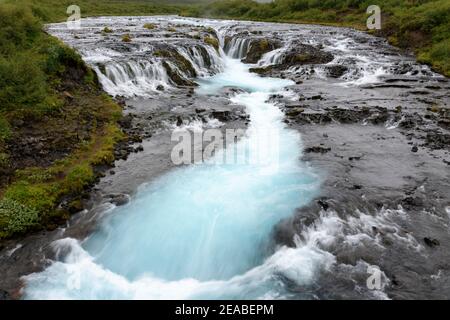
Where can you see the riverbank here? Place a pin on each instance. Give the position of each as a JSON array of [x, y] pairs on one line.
[[58, 128]]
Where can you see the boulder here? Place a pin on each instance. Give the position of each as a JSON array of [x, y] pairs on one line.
[[336, 71], [119, 199], [258, 48], [305, 54]]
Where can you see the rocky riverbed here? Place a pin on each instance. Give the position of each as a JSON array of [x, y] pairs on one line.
[[374, 125]]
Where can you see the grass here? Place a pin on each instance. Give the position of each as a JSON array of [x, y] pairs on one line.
[[37, 73]]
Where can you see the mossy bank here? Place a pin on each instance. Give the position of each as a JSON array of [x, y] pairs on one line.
[[58, 129]]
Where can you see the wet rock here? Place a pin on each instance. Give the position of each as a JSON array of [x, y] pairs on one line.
[[262, 70], [160, 87], [119, 199], [410, 121], [294, 112], [221, 115], [176, 77], [336, 71], [444, 123], [349, 116], [179, 121], [313, 117], [4, 295], [323, 204], [431, 242], [437, 140], [317, 149], [231, 91], [305, 54], [411, 202], [414, 149], [75, 206], [379, 117], [258, 48], [126, 121]]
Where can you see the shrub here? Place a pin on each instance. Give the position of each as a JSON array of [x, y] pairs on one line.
[[18, 29], [5, 130], [16, 218], [22, 82]]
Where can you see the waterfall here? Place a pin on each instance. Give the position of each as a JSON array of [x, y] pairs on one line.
[[272, 57], [238, 47], [132, 78], [142, 77]]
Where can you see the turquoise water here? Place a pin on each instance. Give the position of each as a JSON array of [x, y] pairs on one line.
[[201, 231]]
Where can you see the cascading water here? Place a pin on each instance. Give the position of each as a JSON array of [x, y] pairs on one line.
[[212, 230], [201, 231]]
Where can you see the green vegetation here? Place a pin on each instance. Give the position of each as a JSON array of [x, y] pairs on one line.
[[126, 38], [149, 26], [55, 10], [212, 41], [47, 92]]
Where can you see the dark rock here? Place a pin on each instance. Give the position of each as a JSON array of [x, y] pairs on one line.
[[258, 48], [317, 149], [126, 122], [221, 115], [336, 71], [414, 149], [119, 199], [294, 112], [323, 203], [431, 242], [305, 54], [160, 87], [437, 140], [349, 116], [179, 121], [4, 295], [411, 202]]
